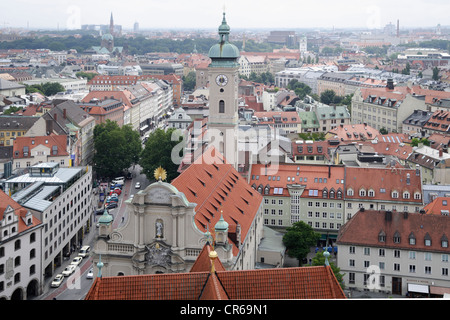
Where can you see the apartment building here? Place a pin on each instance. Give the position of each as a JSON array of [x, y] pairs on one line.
[[294, 192], [61, 198], [385, 107], [326, 196], [29, 151], [14, 126], [395, 189], [396, 252], [249, 64], [289, 121], [330, 117], [20, 251]]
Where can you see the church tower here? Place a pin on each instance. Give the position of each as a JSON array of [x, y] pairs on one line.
[[111, 25], [223, 95]]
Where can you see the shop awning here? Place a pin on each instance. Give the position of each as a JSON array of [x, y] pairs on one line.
[[439, 290], [420, 288]]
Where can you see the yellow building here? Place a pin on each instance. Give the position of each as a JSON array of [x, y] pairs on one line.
[[14, 126]]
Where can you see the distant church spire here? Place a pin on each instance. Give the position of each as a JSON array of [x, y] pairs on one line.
[[111, 25]]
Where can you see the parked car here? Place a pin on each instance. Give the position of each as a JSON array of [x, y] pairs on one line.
[[137, 185], [99, 212], [59, 278], [111, 205], [112, 199], [118, 180], [69, 270], [90, 274], [117, 191], [76, 261], [84, 251]]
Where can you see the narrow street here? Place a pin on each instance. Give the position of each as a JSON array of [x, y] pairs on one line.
[[76, 286]]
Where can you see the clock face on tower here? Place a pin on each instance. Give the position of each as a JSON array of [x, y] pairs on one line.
[[221, 80]]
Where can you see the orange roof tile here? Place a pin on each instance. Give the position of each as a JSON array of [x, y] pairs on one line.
[[365, 226], [383, 182], [313, 177], [6, 201], [216, 186], [60, 141], [278, 283], [439, 206]]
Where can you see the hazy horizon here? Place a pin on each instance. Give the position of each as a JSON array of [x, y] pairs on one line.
[[206, 14]]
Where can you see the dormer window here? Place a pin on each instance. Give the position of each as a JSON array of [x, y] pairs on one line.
[[394, 194], [444, 241], [427, 240], [406, 195], [397, 237], [412, 239], [382, 236], [350, 192], [362, 192]]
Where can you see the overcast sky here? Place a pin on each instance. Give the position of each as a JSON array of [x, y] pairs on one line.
[[247, 14]]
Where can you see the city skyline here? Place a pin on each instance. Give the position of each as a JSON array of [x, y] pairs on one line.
[[244, 14]]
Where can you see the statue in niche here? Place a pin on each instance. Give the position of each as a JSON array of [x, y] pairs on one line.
[[159, 229]]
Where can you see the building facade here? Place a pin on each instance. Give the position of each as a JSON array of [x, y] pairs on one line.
[[394, 252], [20, 251], [61, 198]]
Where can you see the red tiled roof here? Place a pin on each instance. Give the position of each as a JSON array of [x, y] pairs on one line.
[[365, 226], [285, 117], [203, 262], [352, 132], [439, 121], [32, 142], [216, 186], [20, 211], [278, 283], [118, 95], [389, 179], [438, 206], [284, 174]]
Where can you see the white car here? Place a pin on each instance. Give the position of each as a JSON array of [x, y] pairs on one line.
[[84, 251], [69, 270], [76, 261], [90, 274], [57, 281], [138, 185]]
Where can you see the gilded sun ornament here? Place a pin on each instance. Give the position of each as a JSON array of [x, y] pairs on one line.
[[160, 174]]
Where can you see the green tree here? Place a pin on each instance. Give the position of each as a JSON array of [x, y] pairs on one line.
[[435, 76], [415, 142], [87, 75], [299, 239], [158, 152], [319, 260], [383, 130], [189, 81], [300, 89], [52, 88], [116, 149], [328, 96]]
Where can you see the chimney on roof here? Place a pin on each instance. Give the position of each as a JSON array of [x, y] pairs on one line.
[[64, 113], [388, 215], [390, 84], [55, 116]]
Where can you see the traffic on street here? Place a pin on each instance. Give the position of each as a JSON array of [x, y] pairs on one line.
[[73, 279]]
